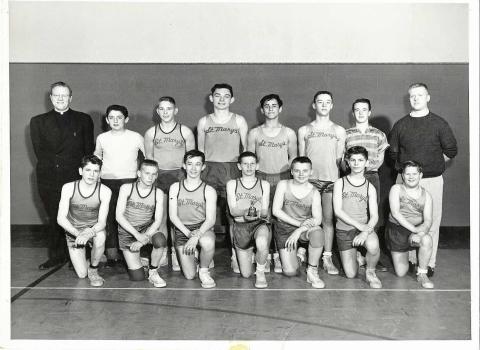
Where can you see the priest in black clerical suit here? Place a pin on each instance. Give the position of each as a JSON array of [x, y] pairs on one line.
[[60, 137]]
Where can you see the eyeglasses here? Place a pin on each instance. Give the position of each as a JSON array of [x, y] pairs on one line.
[[61, 96]]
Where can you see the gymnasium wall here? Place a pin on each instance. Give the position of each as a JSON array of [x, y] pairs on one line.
[[138, 86]]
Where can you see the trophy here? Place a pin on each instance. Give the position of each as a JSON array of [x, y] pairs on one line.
[[252, 211]]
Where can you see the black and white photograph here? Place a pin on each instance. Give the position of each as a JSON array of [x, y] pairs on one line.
[[239, 175]]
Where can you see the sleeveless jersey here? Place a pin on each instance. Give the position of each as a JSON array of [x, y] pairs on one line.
[[247, 197], [411, 208], [140, 210], [222, 141], [321, 147], [354, 203], [83, 211], [169, 147], [272, 152], [298, 208], [191, 205]]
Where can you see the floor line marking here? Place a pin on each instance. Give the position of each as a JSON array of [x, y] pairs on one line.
[[29, 287], [37, 281]]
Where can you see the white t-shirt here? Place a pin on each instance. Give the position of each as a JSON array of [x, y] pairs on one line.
[[119, 152]]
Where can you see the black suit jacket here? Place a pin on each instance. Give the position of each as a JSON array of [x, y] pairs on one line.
[[60, 145]]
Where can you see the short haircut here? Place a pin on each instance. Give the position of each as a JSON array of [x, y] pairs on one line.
[[193, 153], [269, 97], [416, 85], [356, 150], [62, 84], [90, 159], [148, 162], [413, 164], [362, 100], [245, 155], [301, 160], [222, 86], [168, 99], [322, 92], [118, 108]]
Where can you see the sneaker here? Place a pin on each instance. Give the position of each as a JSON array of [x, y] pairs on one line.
[[361, 261], [234, 265], [430, 271], [260, 280], [95, 279], [155, 279], [423, 279], [164, 259], [329, 266], [175, 264], [277, 264], [206, 280], [373, 280], [301, 255], [312, 277]]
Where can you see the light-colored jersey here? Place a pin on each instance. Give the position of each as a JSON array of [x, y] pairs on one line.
[[222, 141], [83, 211], [119, 153], [191, 205], [354, 203], [247, 197], [272, 152], [322, 146], [298, 208], [374, 141], [139, 210], [411, 208], [169, 147]]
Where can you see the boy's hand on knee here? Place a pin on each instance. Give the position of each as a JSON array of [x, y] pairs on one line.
[[415, 239], [82, 239], [291, 243], [143, 239], [136, 246], [360, 239], [191, 245]]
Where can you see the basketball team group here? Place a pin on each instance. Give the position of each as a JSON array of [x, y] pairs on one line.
[[287, 198]]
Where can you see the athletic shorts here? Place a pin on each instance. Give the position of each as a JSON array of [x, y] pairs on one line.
[[71, 241], [218, 174], [322, 186], [273, 180], [345, 238], [180, 238], [166, 178], [125, 239], [282, 231], [244, 233], [397, 238]]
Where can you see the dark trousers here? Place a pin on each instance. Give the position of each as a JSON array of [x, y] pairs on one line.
[[57, 246], [111, 240]]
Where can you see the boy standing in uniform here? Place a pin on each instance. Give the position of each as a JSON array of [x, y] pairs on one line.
[[221, 135], [82, 213], [166, 143], [355, 204], [409, 223], [375, 142], [248, 199], [276, 146], [323, 142], [192, 209], [139, 214], [118, 148], [297, 208]]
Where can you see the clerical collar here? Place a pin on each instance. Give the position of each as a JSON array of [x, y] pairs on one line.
[[61, 113]]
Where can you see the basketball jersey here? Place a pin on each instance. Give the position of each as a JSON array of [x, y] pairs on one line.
[[321, 147], [83, 211], [247, 197], [298, 208], [272, 152], [411, 208], [222, 141], [169, 147], [354, 203], [139, 210], [191, 205]]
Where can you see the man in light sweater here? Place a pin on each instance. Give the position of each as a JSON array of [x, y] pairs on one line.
[[426, 138]]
